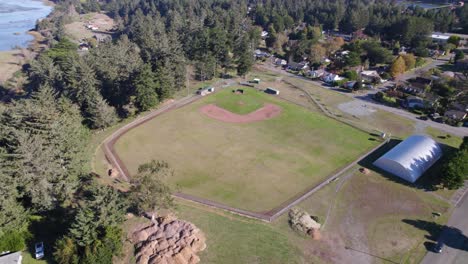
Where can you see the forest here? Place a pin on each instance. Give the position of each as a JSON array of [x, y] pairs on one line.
[[157, 44]]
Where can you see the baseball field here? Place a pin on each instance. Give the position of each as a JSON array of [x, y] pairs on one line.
[[245, 149]]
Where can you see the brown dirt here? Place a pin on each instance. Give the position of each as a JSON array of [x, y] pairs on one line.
[[267, 112]]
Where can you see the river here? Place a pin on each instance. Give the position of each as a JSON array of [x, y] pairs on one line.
[[17, 17]]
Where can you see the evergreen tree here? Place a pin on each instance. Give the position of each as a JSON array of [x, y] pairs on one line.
[[84, 229], [43, 142], [145, 89], [455, 171], [245, 58]]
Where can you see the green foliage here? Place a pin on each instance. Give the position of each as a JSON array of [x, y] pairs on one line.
[[352, 59], [376, 53], [455, 40], [66, 251], [245, 58], [14, 240], [62, 51], [84, 229], [459, 55], [149, 192], [455, 171], [145, 89], [44, 143], [351, 75], [205, 68]]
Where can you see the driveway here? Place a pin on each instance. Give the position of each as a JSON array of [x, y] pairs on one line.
[[454, 237]]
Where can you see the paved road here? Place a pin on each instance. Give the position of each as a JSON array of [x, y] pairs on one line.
[[455, 250], [433, 64]]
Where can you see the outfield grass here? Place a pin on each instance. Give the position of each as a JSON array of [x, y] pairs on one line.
[[233, 239], [255, 166]]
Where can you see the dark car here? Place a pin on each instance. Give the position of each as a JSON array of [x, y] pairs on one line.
[[424, 118], [438, 247]]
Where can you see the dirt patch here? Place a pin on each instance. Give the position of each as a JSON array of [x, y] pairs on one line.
[[266, 112]]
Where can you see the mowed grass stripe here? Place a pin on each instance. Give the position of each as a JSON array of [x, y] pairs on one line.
[[255, 166]]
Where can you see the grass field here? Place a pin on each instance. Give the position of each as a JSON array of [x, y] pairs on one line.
[[240, 103], [254, 166]]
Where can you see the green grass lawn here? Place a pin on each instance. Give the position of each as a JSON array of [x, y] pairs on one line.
[[255, 166], [233, 239], [241, 104]]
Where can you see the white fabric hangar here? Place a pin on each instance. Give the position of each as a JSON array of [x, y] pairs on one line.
[[410, 158]]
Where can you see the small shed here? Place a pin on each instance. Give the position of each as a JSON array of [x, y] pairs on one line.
[[270, 90]]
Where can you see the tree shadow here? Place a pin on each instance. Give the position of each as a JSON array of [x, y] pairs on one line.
[[429, 181], [451, 237], [48, 228]]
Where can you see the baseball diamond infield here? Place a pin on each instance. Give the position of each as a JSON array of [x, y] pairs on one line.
[[265, 155], [266, 112]]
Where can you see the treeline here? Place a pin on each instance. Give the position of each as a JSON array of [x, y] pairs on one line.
[[378, 17]]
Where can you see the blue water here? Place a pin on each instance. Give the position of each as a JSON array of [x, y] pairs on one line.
[[19, 16]]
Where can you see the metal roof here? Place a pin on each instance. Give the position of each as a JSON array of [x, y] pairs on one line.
[[411, 158]]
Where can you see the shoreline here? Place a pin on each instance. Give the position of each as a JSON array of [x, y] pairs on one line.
[[12, 60]]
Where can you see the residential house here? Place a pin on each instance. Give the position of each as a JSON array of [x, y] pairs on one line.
[[415, 102], [419, 84], [280, 62], [294, 66], [331, 77], [455, 115], [314, 74], [259, 54], [349, 85], [371, 76], [439, 38]]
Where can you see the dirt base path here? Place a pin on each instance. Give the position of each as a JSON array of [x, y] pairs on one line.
[[266, 112]]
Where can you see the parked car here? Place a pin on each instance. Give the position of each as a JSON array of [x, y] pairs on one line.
[[39, 247], [438, 247]]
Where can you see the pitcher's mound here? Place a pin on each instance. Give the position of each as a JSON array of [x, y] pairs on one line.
[[266, 112]]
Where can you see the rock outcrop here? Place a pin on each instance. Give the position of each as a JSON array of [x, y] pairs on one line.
[[168, 241], [303, 222]]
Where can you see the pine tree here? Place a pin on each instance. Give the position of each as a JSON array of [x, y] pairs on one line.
[[145, 89], [245, 57], [100, 114], [43, 148], [455, 171], [84, 229]]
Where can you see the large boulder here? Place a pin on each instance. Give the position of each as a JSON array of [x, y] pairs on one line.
[[168, 240]]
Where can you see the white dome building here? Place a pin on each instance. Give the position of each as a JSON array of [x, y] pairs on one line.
[[410, 158]]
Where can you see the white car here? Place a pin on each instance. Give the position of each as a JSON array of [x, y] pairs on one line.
[[39, 247]]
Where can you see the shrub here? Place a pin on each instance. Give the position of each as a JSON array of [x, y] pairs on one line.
[[14, 240]]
